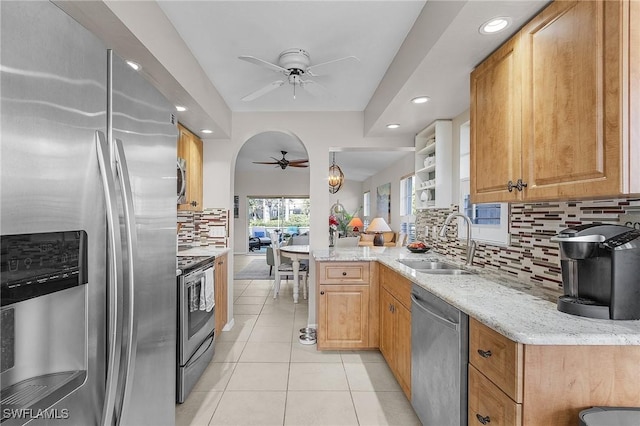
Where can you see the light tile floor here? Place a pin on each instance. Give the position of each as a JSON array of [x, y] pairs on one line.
[[261, 375]]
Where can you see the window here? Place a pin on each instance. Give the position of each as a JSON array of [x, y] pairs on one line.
[[490, 221], [407, 207], [366, 208]]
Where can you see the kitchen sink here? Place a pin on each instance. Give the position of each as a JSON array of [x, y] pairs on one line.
[[430, 266]]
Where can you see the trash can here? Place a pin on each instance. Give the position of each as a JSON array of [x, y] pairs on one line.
[[610, 416]]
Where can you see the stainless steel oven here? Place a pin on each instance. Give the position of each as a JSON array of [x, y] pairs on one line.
[[196, 328]]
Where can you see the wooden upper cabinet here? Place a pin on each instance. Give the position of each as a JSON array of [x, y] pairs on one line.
[[572, 127], [190, 149], [495, 124], [556, 107]]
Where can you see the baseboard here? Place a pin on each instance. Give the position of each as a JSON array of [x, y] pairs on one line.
[[229, 325]]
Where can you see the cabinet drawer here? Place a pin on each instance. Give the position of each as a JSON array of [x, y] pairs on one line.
[[344, 273], [489, 405], [397, 285], [497, 357]]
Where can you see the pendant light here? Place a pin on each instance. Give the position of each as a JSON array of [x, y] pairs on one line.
[[336, 177]]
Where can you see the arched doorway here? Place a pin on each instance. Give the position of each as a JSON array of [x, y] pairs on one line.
[[269, 182]]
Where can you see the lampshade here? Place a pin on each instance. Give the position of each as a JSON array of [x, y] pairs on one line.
[[378, 225], [355, 223]]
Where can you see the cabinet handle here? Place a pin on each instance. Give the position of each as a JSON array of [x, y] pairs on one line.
[[484, 420], [194, 203], [484, 354], [519, 185], [344, 274], [321, 293]]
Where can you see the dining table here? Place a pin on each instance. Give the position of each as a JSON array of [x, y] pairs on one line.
[[296, 252]]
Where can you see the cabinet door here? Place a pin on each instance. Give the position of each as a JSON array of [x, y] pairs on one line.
[[343, 316], [221, 292], [403, 348], [572, 129], [387, 326], [488, 404], [496, 125], [190, 149]]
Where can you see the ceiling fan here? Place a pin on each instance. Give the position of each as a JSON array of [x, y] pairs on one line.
[[283, 163], [293, 64]]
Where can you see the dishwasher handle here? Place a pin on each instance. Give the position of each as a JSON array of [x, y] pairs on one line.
[[449, 324]]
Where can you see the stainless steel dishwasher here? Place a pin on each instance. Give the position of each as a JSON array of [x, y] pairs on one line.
[[439, 357]]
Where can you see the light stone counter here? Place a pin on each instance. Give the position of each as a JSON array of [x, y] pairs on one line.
[[523, 312], [203, 251]]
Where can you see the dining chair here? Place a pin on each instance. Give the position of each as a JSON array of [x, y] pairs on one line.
[[286, 270]]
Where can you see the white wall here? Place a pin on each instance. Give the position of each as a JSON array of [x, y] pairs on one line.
[[392, 174], [318, 132], [350, 196]]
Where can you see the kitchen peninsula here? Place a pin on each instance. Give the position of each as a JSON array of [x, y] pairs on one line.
[[547, 365]]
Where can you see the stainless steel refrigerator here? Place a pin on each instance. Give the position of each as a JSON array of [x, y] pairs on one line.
[[87, 218]]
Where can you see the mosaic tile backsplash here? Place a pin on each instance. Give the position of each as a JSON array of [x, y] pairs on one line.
[[529, 256], [207, 228]]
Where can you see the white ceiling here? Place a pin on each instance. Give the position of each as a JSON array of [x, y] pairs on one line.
[[217, 32], [405, 49], [357, 164]]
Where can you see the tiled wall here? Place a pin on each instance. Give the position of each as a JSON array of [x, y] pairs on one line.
[[529, 256], [203, 228]]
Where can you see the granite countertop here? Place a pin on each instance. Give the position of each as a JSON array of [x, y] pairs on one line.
[[523, 312], [199, 252]]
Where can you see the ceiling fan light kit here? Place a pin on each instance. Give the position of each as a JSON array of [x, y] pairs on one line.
[[294, 64]]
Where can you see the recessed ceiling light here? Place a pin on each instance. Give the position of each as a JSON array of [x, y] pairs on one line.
[[133, 65], [206, 131], [393, 126], [495, 25], [420, 100], [180, 108]]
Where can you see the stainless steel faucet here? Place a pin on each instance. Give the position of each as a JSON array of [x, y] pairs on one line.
[[471, 244]]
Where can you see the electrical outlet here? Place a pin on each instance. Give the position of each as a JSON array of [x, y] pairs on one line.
[[631, 220]]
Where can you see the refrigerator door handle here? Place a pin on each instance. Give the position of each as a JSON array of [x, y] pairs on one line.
[[115, 278], [132, 248]]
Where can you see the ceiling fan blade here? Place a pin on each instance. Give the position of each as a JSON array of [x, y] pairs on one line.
[[263, 91], [265, 162], [263, 63], [313, 87], [298, 165], [312, 69], [298, 161]]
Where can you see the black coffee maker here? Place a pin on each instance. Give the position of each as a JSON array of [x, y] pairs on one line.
[[600, 271]]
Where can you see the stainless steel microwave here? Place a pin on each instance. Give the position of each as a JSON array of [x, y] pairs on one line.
[[182, 181]]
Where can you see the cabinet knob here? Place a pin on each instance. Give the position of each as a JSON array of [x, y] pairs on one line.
[[484, 354], [483, 419], [321, 293], [344, 274]]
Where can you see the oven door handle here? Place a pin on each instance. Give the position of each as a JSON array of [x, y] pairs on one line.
[[197, 354], [115, 278]]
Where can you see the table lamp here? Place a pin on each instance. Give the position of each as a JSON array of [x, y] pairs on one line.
[[378, 226], [356, 223]]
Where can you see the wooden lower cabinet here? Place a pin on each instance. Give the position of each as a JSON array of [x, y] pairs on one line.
[[395, 326], [515, 384], [221, 290], [343, 316], [487, 403]]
